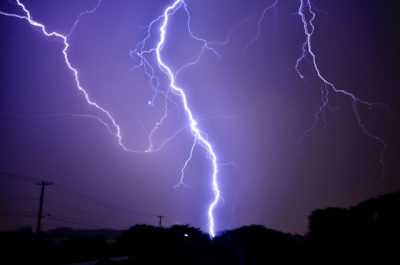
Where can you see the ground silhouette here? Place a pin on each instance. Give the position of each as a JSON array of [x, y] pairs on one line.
[[366, 233]]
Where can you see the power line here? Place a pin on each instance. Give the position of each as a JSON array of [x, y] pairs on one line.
[[101, 203], [83, 220], [18, 198], [13, 176], [71, 222], [6, 174], [16, 212], [79, 210], [9, 175], [17, 215], [79, 221]]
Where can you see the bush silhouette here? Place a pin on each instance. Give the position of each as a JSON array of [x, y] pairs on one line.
[[366, 233]]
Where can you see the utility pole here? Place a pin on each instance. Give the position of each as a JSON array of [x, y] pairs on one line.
[[160, 217], [42, 185]]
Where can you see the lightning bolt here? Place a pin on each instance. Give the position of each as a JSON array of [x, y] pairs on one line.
[[90, 11], [259, 22], [116, 130], [199, 137], [307, 15], [154, 81]]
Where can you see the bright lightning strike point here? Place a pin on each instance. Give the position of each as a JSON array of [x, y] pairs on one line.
[[260, 20]]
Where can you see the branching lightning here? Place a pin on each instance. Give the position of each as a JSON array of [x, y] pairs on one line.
[[305, 10], [142, 53], [112, 126], [199, 137], [259, 22], [64, 39], [90, 11]]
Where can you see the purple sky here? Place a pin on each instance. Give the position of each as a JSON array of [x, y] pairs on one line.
[[253, 106]]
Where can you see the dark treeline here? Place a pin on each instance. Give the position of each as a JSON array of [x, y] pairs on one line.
[[367, 233]]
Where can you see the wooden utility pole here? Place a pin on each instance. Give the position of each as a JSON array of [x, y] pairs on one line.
[[160, 217], [42, 185]]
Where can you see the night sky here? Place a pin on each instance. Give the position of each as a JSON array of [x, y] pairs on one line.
[[252, 104]]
